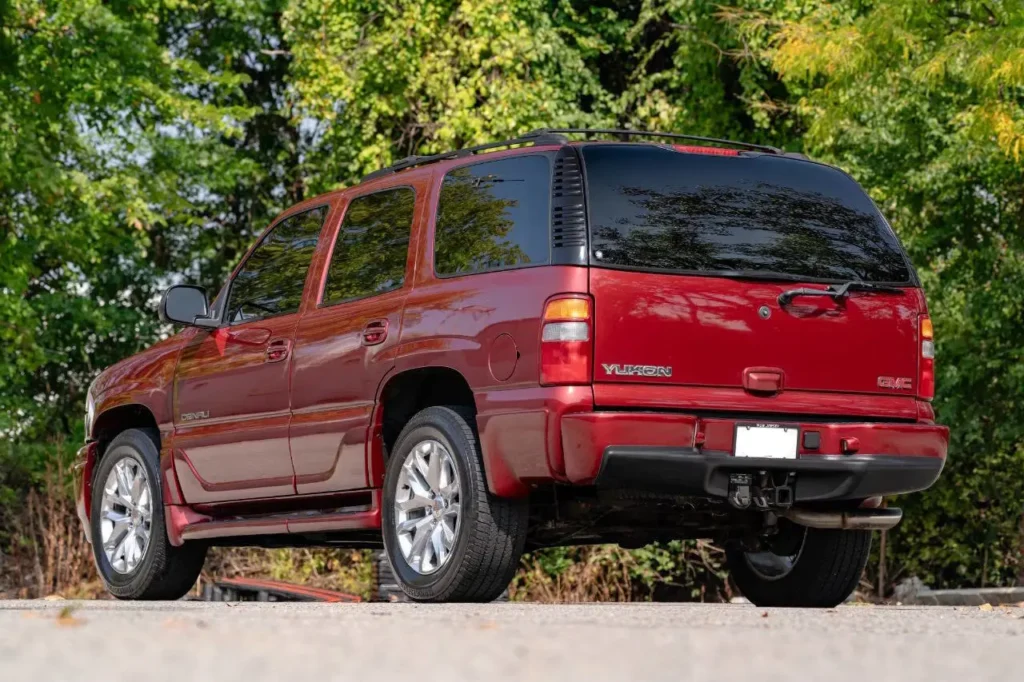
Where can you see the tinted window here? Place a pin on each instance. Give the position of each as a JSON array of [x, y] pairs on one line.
[[652, 208], [493, 215], [372, 245], [271, 281]]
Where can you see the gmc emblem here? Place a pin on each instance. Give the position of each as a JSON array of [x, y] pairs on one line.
[[896, 383]]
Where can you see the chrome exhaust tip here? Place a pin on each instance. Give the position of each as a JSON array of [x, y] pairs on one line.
[[855, 519]]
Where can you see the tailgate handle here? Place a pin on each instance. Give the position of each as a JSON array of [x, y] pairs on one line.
[[762, 379]]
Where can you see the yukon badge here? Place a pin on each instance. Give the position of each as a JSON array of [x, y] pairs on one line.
[[896, 383], [637, 370]]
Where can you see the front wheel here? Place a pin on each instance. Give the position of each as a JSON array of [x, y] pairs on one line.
[[129, 538], [802, 567], [446, 536]]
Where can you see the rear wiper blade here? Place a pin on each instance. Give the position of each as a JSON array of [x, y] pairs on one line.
[[837, 292]]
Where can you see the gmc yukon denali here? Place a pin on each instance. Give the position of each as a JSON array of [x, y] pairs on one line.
[[537, 342]]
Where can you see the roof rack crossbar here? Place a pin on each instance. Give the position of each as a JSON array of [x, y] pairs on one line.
[[534, 138], [644, 133]]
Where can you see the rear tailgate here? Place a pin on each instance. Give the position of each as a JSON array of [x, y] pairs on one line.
[[691, 252]]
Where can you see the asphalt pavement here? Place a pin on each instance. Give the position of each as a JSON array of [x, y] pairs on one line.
[[252, 642]]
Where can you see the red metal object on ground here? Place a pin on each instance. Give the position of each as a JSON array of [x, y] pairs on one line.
[[253, 589]]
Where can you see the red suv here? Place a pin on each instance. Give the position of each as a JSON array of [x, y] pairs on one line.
[[527, 344]]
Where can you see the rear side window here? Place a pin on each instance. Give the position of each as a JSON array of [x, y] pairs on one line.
[[271, 281], [657, 209], [372, 246], [494, 216]]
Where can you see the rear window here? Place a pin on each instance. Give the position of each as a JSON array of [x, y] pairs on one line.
[[656, 209]]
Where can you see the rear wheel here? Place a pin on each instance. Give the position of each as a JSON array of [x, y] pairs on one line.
[[447, 538], [129, 538], [804, 567]]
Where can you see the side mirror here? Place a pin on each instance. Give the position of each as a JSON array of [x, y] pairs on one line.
[[186, 304]]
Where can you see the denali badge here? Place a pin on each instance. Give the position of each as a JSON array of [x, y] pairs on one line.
[[192, 416], [896, 383], [637, 370]]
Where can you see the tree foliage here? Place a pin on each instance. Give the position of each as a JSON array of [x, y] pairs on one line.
[[923, 102], [148, 141]]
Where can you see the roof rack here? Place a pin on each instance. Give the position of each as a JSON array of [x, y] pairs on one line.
[[534, 138], [554, 136], [644, 133]]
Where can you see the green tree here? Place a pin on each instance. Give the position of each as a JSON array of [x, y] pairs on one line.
[[140, 142], [383, 80], [923, 102]]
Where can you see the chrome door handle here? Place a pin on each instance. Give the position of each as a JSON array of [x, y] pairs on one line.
[[278, 350], [375, 332]]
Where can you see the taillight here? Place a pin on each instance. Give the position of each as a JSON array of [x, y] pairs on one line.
[[565, 341], [926, 380]]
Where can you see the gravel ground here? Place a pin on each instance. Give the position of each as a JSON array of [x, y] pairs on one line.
[[192, 641]]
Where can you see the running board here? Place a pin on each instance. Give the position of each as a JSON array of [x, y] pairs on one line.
[[857, 519], [184, 523]]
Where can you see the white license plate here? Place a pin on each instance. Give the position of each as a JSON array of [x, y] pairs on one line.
[[771, 441]]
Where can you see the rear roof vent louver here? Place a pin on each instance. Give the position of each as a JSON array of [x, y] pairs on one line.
[[568, 211]]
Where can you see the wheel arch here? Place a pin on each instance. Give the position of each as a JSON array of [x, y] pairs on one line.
[[105, 428], [404, 394], [111, 422]]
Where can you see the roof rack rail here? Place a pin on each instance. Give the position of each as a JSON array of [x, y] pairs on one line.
[[644, 133], [534, 138]]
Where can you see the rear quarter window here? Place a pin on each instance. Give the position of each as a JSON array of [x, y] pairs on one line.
[[657, 209], [494, 215]]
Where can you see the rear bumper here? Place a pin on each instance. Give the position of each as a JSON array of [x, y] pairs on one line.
[[818, 479], [692, 455]]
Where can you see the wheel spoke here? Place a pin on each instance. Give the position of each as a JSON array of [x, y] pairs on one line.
[[124, 485], [448, 532], [115, 517], [416, 501], [112, 499], [413, 524], [437, 541], [434, 470], [138, 482], [417, 483], [419, 545], [119, 549], [118, 533], [421, 463]]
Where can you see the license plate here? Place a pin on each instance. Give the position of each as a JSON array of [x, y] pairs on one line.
[[772, 441]]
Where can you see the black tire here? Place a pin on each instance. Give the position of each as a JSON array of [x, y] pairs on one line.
[[492, 530], [165, 571], [827, 567]]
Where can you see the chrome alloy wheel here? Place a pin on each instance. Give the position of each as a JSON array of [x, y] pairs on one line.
[[126, 515], [427, 506]]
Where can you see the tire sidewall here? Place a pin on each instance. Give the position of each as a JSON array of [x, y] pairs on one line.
[[424, 427], [140, 447], [814, 580]]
